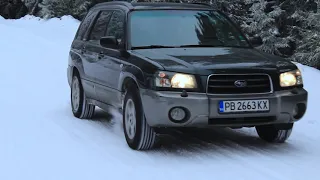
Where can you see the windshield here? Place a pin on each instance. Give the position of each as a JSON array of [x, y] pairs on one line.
[[193, 28]]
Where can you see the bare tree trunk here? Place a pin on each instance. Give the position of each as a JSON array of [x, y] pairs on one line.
[[34, 8]]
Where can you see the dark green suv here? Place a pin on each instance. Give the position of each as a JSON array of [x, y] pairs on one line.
[[168, 65]]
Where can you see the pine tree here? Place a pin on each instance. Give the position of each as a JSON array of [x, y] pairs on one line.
[[307, 35], [59, 8]]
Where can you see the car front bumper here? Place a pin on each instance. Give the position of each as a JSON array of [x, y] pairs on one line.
[[203, 108]]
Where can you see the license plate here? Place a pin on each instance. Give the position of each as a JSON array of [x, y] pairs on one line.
[[244, 106]]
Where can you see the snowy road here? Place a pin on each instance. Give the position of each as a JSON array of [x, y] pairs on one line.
[[41, 140]]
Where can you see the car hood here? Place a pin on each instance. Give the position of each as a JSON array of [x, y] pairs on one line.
[[205, 61]]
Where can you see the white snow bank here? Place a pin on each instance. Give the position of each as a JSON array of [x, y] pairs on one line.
[[41, 140], [65, 24]]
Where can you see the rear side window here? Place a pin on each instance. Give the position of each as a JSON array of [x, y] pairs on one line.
[[84, 25], [100, 26]]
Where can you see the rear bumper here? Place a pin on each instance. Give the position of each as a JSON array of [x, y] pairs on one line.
[[203, 108]]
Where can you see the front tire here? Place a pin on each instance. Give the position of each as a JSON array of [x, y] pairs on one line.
[[80, 107], [139, 135], [274, 133]]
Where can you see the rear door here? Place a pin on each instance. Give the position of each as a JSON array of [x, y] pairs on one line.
[[81, 58]]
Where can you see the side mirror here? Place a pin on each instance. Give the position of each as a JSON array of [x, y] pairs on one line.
[[109, 42], [255, 41]]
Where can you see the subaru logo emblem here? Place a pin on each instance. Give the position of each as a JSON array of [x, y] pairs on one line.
[[240, 83]]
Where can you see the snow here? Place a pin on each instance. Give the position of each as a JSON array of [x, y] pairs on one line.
[[40, 139]]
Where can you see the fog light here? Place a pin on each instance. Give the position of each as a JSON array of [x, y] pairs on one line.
[[295, 110], [177, 114], [299, 110]]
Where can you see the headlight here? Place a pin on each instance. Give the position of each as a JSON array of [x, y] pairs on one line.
[[291, 78], [175, 80]]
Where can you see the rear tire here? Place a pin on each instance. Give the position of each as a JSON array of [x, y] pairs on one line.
[[274, 133], [80, 107], [139, 135]]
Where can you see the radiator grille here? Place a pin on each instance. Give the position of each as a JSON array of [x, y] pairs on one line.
[[239, 84]]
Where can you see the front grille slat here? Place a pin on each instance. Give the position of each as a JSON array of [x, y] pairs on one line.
[[258, 79], [225, 84], [222, 86], [250, 86], [259, 85], [228, 80]]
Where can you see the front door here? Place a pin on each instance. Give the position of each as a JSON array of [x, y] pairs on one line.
[[106, 61], [110, 60]]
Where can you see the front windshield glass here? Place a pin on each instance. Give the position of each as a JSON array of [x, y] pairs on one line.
[[191, 28]]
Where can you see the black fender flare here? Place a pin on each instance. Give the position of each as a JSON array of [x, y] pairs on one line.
[[135, 74], [75, 61]]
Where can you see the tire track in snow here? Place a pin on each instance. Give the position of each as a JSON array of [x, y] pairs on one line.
[[228, 148]]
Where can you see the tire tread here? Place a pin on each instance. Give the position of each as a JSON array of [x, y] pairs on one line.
[[272, 134], [87, 110], [147, 135]]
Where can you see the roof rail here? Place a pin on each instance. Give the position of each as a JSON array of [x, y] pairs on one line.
[[200, 3], [115, 2], [179, 1], [128, 3]]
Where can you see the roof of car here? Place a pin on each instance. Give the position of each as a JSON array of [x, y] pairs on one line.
[[156, 5], [142, 5]]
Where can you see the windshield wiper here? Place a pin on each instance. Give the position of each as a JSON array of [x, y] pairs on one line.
[[198, 45], [181, 46], [153, 47], [203, 45]]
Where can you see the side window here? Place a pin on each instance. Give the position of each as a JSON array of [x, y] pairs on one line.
[[100, 25], [85, 25], [116, 25]]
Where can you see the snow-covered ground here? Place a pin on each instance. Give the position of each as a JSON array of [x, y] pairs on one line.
[[41, 140]]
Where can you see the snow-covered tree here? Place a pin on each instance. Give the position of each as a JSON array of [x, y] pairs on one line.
[[59, 8], [307, 36], [288, 28], [267, 21]]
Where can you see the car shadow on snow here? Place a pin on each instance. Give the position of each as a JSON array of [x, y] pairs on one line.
[[220, 140], [193, 141], [103, 116]]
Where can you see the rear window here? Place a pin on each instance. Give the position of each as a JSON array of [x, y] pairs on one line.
[[84, 25]]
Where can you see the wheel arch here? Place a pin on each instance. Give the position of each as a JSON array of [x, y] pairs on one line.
[[75, 61], [75, 65], [75, 71], [132, 75], [127, 82]]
